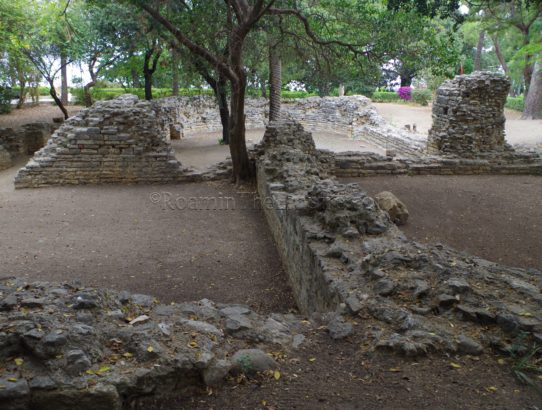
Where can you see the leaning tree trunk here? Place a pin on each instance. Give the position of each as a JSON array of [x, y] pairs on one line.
[[57, 100], [499, 54], [479, 49], [222, 98], [533, 101], [87, 96], [275, 83], [63, 79]]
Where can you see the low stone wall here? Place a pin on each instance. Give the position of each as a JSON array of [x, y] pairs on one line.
[[356, 164], [468, 115], [353, 116], [27, 139], [5, 158], [64, 347], [342, 253], [124, 140]]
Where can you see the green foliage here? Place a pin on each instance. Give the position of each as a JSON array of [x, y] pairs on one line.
[[515, 103], [385, 96], [421, 96], [5, 99]]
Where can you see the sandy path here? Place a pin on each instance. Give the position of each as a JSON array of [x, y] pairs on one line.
[[527, 132]]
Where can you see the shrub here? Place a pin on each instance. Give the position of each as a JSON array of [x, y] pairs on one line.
[[385, 96], [405, 93], [5, 99], [515, 103], [421, 96]]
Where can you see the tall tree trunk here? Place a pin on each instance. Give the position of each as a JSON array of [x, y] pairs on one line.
[[222, 98], [263, 88], [479, 49], [57, 100], [135, 77], [275, 83], [149, 69], [499, 54], [63, 79], [174, 71], [21, 77], [533, 101], [528, 67], [238, 148]]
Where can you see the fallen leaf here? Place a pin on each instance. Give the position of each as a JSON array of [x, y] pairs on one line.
[[150, 349], [491, 389], [12, 379], [193, 344], [89, 372], [102, 370], [312, 359], [276, 375], [19, 361], [395, 370], [501, 361], [128, 355], [455, 365]]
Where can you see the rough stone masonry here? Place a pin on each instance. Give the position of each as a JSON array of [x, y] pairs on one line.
[[468, 115], [124, 140]]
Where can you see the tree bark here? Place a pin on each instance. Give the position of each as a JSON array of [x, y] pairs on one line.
[[57, 100], [479, 49], [238, 149], [533, 101], [63, 79], [499, 54], [275, 83], [149, 69], [21, 77], [175, 71], [528, 68]]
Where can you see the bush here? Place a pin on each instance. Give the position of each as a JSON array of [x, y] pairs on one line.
[[422, 96], [405, 93], [5, 99], [385, 96], [515, 103]]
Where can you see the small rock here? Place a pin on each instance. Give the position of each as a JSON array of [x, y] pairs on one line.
[[353, 304], [33, 303], [13, 389], [202, 327], [140, 320], [142, 300], [236, 323], [446, 300], [393, 206], [384, 287], [252, 361], [297, 341], [42, 383], [8, 303], [468, 346], [338, 328], [77, 361], [507, 321], [458, 285], [216, 372], [84, 301], [422, 288], [234, 310]]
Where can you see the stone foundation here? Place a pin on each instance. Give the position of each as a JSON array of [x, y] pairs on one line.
[[468, 115], [119, 141], [28, 139], [342, 253]]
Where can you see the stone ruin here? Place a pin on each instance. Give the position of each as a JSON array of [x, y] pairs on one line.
[[124, 140], [342, 253], [468, 115]]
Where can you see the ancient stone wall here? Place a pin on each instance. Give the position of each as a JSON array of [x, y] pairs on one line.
[[468, 115], [119, 141], [353, 116], [5, 158], [342, 253], [27, 139]]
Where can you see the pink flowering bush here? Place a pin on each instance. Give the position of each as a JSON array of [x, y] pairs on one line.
[[405, 93]]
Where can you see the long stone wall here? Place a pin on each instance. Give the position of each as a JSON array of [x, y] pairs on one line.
[[353, 116], [342, 253], [124, 140]]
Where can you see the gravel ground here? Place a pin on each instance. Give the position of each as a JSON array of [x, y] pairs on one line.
[[496, 217]]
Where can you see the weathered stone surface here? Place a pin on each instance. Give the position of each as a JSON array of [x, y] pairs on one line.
[[52, 360], [5, 158], [252, 361], [468, 115], [418, 298], [393, 206]]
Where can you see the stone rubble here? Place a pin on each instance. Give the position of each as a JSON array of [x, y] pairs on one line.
[[61, 344], [342, 253]]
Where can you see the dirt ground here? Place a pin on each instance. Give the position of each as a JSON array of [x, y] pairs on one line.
[[40, 113], [496, 217], [115, 236], [337, 375], [525, 132]]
